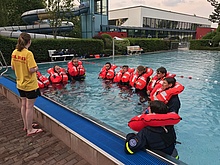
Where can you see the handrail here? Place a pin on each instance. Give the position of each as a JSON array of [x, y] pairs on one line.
[[6, 66]]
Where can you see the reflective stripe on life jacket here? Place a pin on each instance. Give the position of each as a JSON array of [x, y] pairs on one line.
[[154, 81], [42, 80], [140, 82], [165, 95], [108, 74], [123, 77], [40, 84], [64, 75], [76, 70], [58, 77]]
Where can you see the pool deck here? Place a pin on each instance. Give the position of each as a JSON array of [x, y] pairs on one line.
[[43, 148], [78, 134]]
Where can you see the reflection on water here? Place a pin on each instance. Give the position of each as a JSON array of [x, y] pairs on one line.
[[199, 131]]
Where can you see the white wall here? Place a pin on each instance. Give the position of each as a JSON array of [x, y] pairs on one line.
[[169, 15], [135, 16]]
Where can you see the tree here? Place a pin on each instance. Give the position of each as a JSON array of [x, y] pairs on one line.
[[215, 16], [76, 32], [59, 11], [3, 13], [11, 11]]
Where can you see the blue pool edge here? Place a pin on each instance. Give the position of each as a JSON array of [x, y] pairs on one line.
[[103, 139]]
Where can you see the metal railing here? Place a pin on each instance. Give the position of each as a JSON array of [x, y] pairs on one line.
[[2, 65]]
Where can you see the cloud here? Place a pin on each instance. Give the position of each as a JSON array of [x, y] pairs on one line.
[[172, 2]]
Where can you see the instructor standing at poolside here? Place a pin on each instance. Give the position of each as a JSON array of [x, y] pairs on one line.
[[25, 67]]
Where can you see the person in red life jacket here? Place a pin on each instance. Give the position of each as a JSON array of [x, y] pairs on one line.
[[57, 75], [124, 75], [157, 80], [75, 70], [43, 81], [140, 80], [168, 94], [157, 138], [107, 71]]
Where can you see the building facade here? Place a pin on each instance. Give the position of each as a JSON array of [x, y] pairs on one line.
[[147, 22]]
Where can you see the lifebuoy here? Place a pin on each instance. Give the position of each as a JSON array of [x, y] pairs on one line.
[[137, 123]]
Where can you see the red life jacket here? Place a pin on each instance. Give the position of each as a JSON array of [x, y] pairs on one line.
[[108, 74], [76, 70], [165, 95], [42, 80], [139, 82], [137, 123], [157, 82], [64, 75], [58, 77], [124, 77]]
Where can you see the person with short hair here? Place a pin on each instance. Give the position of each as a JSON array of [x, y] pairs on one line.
[[107, 72], [25, 67], [57, 75], [157, 80], [75, 70], [124, 75], [140, 81], [168, 93], [161, 138]]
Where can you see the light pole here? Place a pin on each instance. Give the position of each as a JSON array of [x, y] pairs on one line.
[[113, 50]]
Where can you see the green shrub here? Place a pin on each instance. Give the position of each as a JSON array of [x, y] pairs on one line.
[[216, 39], [150, 44], [107, 41], [40, 47], [121, 46], [209, 35]]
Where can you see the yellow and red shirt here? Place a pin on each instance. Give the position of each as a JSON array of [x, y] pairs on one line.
[[22, 61]]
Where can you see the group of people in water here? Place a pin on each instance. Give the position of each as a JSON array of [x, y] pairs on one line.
[[160, 91], [59, 76], [155, 126]]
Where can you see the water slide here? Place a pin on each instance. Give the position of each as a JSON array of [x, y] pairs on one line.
[[38, 23]]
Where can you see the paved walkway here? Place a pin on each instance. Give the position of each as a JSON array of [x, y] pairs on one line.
[[41, 149]]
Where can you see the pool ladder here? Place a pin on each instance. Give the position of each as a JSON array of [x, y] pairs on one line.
[[2, 65]]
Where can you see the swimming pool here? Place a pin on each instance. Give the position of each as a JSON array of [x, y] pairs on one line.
[[198, 131]]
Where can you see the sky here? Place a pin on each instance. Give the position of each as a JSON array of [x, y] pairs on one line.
[[198, 7]]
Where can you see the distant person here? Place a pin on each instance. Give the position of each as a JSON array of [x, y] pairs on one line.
[[25, 67], [140, 81], [108, 71], [161, 138], [57, 75], [75, 70], [157, 80], [168, 94], [124, 75]]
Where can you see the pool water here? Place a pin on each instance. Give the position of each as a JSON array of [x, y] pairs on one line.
[[198, 71]]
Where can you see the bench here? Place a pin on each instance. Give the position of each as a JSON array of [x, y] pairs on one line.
[[63, 53], [134, 49]]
